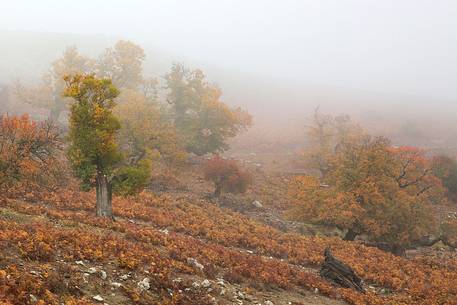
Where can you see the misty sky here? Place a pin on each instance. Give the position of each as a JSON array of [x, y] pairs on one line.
[[389, 46]]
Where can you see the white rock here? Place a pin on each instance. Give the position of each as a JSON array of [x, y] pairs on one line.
[[257, 204], [116, 284], [268, 302], [196, 285], [206, 283], [98, 298], [92, 270], [79, 263], [164, 231], [33, 299], [240, 295], [124, 277], [193, 262], [144, 284], [103, 274]]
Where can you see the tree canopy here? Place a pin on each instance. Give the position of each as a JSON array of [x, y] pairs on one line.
[[202, 120], [372, 188]]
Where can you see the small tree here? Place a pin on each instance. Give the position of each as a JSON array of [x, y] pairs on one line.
[[226, 176], [123, 64], [93, 151], [48, 94]]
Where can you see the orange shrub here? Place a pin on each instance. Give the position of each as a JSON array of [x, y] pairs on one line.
[[26, 148]]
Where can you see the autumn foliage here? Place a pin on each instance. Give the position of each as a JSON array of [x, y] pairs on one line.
[[212, 236], [26, 149], [203, 121], [226, 175], [373, 188], [445, 168]]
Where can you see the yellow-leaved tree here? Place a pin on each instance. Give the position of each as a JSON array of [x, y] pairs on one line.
[[145, 133], [49, 93]]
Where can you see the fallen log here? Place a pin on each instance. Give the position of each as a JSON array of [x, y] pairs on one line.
[[339, 273]]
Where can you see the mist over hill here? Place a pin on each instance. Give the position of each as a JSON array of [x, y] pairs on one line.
[[406, 119]]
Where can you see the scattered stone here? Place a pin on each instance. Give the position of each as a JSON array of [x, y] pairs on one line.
[[268, 302], [206, 283], [196, 285], [193, 262], [144, 284], [116, 284], [98, 298], [85, 277], [103, 274], [33, 299], [240, 295], [33, 272], [221, 282], [124, 277], [91, 270], [81, 263], [257, 204]]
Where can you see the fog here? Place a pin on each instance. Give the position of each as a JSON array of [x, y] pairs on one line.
[[378, 60], [407, 47]]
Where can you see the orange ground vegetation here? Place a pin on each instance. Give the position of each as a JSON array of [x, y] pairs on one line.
[[218, 238]]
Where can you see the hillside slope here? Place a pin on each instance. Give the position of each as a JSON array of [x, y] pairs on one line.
[[182, 250]]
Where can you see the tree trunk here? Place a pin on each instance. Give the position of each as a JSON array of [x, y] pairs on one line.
[[340, 273], [398, 250], [54, 115], [350, 235], [104, 196], [395, 249], [218, 190]]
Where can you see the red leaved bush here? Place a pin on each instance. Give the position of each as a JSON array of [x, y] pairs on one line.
[[226, 175]]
